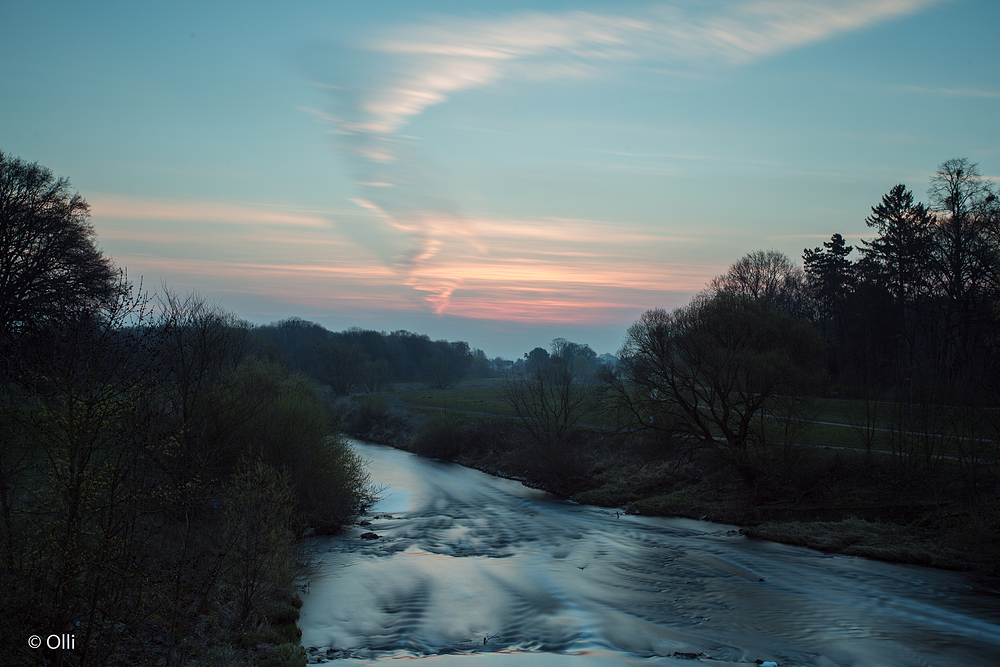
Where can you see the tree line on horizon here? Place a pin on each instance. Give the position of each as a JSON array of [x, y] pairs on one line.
[[358, 360]]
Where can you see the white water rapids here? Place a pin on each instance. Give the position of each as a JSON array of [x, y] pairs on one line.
[[464, 557]]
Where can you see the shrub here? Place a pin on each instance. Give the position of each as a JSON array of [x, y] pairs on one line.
[[441, 436], [291, 432], [338, 487], [374, 421], [488, 435], [284, 655], [257, 535]]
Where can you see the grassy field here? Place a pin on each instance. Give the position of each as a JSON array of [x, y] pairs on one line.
[[835, 423]]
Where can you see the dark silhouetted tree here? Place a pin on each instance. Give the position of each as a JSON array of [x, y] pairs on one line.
[[50, 267], [766, 275], [902, 249], [966, 234], [831, 279], [546, 396], [899, 261], [446, 363], [341, 366], [537, 358], [720, 373]]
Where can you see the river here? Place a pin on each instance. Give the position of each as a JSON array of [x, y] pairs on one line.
[[474, 569]]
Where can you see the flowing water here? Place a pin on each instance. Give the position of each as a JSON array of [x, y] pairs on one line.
[[473, 569]]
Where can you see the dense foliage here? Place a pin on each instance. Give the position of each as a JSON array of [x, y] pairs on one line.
[[155, 466], [362, 360], [915, 314]]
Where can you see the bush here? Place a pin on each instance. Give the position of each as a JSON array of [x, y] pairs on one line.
[[488, 435], [291, 432], [440, 437], [284, 655], [561, 466], [338, 488], [257, 535], [374, 421]]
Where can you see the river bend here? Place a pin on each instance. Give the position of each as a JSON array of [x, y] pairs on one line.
[[474, 569]]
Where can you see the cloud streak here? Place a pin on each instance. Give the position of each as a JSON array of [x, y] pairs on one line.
[[143, 208], [415, 67], [537, 270]]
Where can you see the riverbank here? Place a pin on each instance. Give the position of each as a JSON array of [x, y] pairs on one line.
[[470, 567], [833, 500]]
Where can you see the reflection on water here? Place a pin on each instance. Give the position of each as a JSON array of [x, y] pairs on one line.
[[472, 565]]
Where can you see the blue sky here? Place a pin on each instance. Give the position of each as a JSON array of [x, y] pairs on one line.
[[500, 173]]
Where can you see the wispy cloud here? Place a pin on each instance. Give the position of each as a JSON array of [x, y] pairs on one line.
[[143, 208], [439, 60], [539, 270], [411, 68]]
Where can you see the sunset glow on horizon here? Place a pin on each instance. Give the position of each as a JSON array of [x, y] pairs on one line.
[[500, 175]]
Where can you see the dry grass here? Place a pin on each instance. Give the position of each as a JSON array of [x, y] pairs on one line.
[[858, 537]]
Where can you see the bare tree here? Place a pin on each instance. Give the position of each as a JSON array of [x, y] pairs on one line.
[[767, 275], [446, 363], [379, 377], [547, 397], [200, 346], [720, 373], [50, 266], [965, 269]]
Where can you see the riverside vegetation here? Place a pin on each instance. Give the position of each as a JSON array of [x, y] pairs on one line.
[[878, 504], [724, 408], [159, 456], [157, 472], [157, 463]]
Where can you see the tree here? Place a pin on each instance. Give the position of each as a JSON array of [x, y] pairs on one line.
[[537, 358], [546, 396], [51, 268], [341, 366], [200, 347], [257, 534], [897, 264], [581, 357], [766, 275], [718, 374], [379, 377], [903, 246], [831, 278], [966, 233], [479, 364]]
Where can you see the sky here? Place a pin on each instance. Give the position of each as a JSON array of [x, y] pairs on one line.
[[500, 173]]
